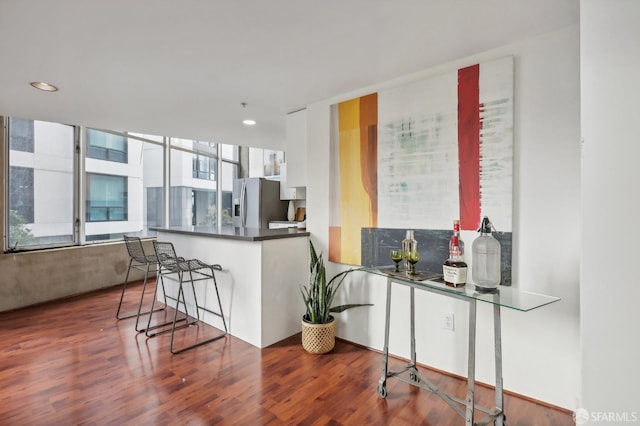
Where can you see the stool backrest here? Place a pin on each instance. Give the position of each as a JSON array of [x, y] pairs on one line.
[[135, 249], [166, 255]]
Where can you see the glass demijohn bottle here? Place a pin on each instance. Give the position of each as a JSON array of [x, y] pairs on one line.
[[454, 268], [485, 270]]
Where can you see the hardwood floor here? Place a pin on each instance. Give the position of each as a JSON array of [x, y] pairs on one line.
[[70, 362]]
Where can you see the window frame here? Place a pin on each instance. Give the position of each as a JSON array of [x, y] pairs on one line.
[[6, 146], [81, 182]]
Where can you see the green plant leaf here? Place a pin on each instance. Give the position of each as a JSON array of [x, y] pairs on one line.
[[319, 294], [341, 308]]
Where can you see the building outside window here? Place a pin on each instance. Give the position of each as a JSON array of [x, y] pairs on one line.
[[22, 134], [194, 197], [193, 184], [21, 192], [106, 146], [204, 167], [228, 173], [123, 198], [106, 198]]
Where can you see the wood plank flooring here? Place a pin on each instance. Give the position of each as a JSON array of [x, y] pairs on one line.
[[71, 362]]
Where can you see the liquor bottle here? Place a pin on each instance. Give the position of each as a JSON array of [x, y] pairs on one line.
[[456, 232], [454, 268], [485, 268], [409, 244]]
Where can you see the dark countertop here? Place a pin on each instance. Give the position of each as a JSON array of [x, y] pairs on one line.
[[231, 233]]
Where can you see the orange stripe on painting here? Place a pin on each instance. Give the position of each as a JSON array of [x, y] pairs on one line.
[[352, 194], [369, 152], [334, 243], [358, 177]]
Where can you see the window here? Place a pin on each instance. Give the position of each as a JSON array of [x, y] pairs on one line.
[[193, 190], [203, 203], [229, 152], [106, 198], [204, 167], [140, 180], [227, 176], [40, 184], [124, 184], [106, 146]]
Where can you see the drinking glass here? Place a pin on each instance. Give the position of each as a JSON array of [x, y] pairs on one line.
[[413, 257], [396, 256]]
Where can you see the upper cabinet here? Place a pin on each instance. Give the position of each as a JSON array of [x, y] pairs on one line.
[[296, 149], [288, 192]]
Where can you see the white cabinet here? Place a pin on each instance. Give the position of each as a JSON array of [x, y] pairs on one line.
[[288, 192], [296, 148]]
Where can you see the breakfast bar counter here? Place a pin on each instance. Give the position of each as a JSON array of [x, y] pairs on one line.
[[262, 270], [236, 233]]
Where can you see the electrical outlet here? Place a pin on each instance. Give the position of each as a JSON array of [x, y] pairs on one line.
[[448, 322]]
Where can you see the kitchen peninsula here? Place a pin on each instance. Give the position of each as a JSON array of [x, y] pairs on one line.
[[262, 270]]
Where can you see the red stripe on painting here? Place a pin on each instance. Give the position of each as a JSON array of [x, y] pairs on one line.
[[469, 146]]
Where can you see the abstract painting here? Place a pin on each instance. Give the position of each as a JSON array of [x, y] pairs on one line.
[[419, 155]]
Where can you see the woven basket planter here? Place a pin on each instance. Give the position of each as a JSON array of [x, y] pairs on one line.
[[318, 338]]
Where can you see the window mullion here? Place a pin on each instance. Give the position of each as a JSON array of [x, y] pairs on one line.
[[166, 179], [80, 185], [219, 187]]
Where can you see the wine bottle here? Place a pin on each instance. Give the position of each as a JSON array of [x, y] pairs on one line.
[[454, 268]]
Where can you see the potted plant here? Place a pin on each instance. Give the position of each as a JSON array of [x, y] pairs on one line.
[[318, 325]]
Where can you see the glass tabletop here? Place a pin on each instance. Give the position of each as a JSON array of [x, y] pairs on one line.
[[509, 297]]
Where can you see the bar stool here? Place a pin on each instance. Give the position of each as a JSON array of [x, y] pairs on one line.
[[184, 271], [143, 262]]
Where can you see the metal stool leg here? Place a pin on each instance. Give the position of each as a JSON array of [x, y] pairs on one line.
[[198, 307], [124, 288], [144, 287], [215, 285], [150, 327]]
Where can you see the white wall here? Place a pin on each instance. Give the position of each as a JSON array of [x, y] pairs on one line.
[[610, 340], [540, 348]]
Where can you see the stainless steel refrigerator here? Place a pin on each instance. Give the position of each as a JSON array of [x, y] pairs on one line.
[[256, 201]]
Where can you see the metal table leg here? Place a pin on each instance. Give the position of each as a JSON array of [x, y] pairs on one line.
[[413, 372], [466, 408], [382, 384], [471, 370], [497, 337]]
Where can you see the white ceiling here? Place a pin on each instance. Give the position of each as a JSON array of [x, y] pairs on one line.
[[182, 67]]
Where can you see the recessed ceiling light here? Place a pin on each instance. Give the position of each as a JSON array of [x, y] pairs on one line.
[[44, 86], [249, 122]]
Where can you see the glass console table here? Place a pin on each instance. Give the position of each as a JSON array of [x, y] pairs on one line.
[[507, 297]]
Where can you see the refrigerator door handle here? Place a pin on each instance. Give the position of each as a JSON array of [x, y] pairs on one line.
[[243, 204]]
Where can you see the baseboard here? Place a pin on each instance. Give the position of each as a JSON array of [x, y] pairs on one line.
[[457, 376]]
